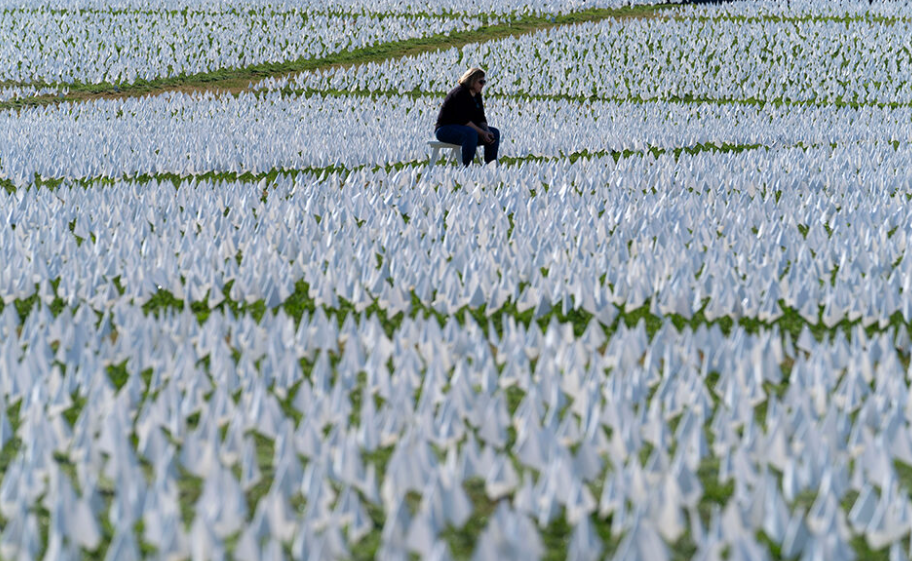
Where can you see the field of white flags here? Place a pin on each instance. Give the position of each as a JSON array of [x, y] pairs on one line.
[[95, 45], [672, 322]]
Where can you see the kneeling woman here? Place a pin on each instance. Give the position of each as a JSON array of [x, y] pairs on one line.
[[462, 118]]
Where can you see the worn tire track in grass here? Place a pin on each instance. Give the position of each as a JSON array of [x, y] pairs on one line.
[[234, 81]]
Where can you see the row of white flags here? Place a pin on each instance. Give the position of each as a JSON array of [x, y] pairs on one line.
[[669, 56], [193, 134], [93, 45], [823, 232], [487, 8]]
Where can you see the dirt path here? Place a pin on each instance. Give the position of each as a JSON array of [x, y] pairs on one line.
[[235, 81]]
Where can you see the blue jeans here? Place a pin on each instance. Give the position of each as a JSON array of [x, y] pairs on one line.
[[468, 139]]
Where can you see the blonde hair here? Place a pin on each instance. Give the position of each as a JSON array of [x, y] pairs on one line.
[[470, 76]]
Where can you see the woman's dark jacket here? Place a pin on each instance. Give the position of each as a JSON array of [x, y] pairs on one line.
[[459, 107]]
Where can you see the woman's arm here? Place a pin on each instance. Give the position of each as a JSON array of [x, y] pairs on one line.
[[476, 128], [482, 131]]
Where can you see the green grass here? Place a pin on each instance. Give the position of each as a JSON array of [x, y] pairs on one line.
[[7, 185], [462, 541], [176, 179], [299, 302], [714, 492]]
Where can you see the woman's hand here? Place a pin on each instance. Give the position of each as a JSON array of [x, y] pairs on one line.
[[484, 135]]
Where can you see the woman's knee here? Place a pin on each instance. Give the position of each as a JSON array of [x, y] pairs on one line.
[[470, 137]]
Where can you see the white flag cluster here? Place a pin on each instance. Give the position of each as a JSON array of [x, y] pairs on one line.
[[258, 327], [123, 44], [192, 134], [310, 436], [888, 12], [25, 92], [820, 231], [670, 56], [497, 8]]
